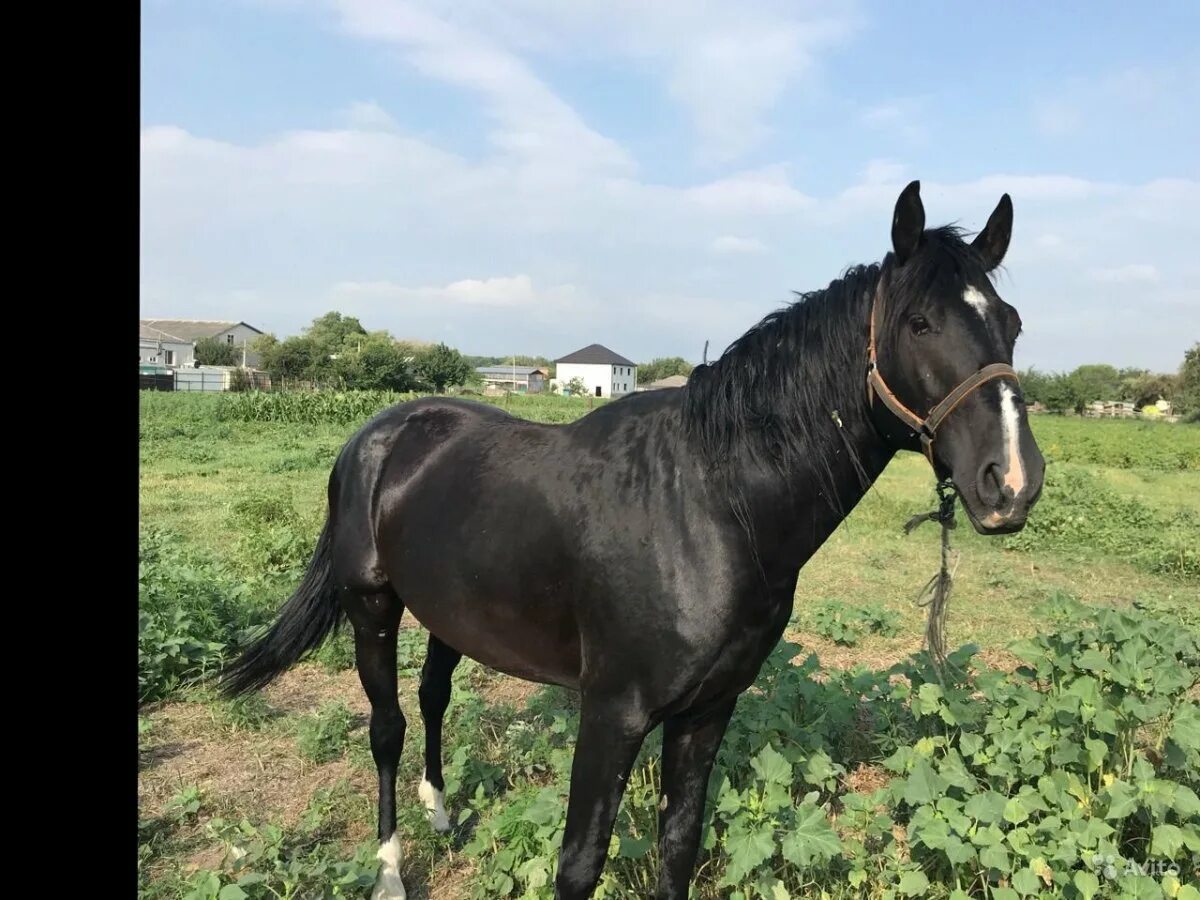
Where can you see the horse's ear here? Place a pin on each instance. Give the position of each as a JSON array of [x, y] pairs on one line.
[[908, 222], [992, 242]]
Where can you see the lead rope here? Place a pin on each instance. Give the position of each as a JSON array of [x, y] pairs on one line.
[[936, 593]]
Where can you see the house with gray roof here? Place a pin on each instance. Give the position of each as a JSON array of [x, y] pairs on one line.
[[604, 373], [172, 342]]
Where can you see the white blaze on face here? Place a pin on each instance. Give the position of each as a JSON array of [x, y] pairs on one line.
[[1010, 421], [977, 301], [388, 885]]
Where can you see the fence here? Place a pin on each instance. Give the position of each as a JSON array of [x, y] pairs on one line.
[[204, 380], [164, 381]]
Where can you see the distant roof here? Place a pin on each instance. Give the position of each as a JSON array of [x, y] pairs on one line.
[[186, 330], [596, 355], [150, 333], [671, 381], [509, 370]]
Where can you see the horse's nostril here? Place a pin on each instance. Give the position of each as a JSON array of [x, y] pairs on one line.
[[990, 486]]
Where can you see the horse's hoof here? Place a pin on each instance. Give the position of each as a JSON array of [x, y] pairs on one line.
[[388, 884], [435, 807]]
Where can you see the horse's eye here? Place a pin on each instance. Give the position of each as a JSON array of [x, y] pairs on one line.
[[919, 325]]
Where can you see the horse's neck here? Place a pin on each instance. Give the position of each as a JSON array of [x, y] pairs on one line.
[[791, 520]]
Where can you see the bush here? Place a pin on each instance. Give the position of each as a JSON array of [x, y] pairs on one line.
[[190, 611], [847, 625], [265, 862], [356, 407], [272, 539], [1077, 512], [325, 735], [307, 407], [1118, 443], [1000, 784]]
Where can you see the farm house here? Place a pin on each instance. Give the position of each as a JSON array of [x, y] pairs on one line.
[[519, 379], [604, 373]]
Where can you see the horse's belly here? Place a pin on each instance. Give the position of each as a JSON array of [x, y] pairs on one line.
[[531, 635]]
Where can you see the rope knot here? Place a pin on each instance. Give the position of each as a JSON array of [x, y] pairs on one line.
[[936, 593]]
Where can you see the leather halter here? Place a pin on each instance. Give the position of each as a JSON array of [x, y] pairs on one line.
[[927, 427]]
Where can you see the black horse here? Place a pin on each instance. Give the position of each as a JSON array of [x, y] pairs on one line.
[[647, 554]]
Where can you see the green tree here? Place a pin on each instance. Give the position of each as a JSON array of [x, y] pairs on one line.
[[331, 330], [292, 358], [1151, 387], [331, 337], [1187, 390], [212, 352], [1130, 379], [1097, 382], [373, 362], [441, 367], [1062, 393], [1035, 386], [661, 368], [575, 387]]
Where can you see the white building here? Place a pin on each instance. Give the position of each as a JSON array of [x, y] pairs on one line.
[[519, 379], [604, 373], [161, 348], [172, 342]]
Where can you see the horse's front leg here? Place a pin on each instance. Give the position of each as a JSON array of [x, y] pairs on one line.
[[611, 731], [690, 742]]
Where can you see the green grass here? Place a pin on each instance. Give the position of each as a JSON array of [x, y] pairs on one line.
[[231, 507]]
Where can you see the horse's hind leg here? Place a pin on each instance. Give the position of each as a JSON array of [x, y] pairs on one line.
[[434, 693], [376, 620]]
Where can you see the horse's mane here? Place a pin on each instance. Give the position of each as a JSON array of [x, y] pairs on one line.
[[771, 397]]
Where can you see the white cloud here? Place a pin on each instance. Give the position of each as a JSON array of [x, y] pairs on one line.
[[730, 243], [726, 67], [767, 190], [903, 117], [884, 171], [514, 291], [1134, 94], [1057, 118], [1134, 273], [412, 237], [533, 123], [367, 115]]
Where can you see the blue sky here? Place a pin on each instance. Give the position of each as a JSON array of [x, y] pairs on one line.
[[533, 176]]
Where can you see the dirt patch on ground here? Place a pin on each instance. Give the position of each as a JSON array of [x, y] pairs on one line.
[[866, 779], [261, 770], [451, 885], [515, 692], [998, 658], [245, 770], [307, 688], [837, 656]]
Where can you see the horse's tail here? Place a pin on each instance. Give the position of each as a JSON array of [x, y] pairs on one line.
[[303, 624]]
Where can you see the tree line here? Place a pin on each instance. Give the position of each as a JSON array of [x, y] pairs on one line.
[[1073, 391], [336, 350]]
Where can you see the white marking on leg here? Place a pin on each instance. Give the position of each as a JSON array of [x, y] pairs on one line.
[[976, 301], [435, 805], [388, 885], [1010, 421]]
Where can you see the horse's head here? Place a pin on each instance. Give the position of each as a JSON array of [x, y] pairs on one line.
[[942, 349]]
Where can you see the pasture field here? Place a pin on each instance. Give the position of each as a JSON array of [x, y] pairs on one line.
[[1064, 760]]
